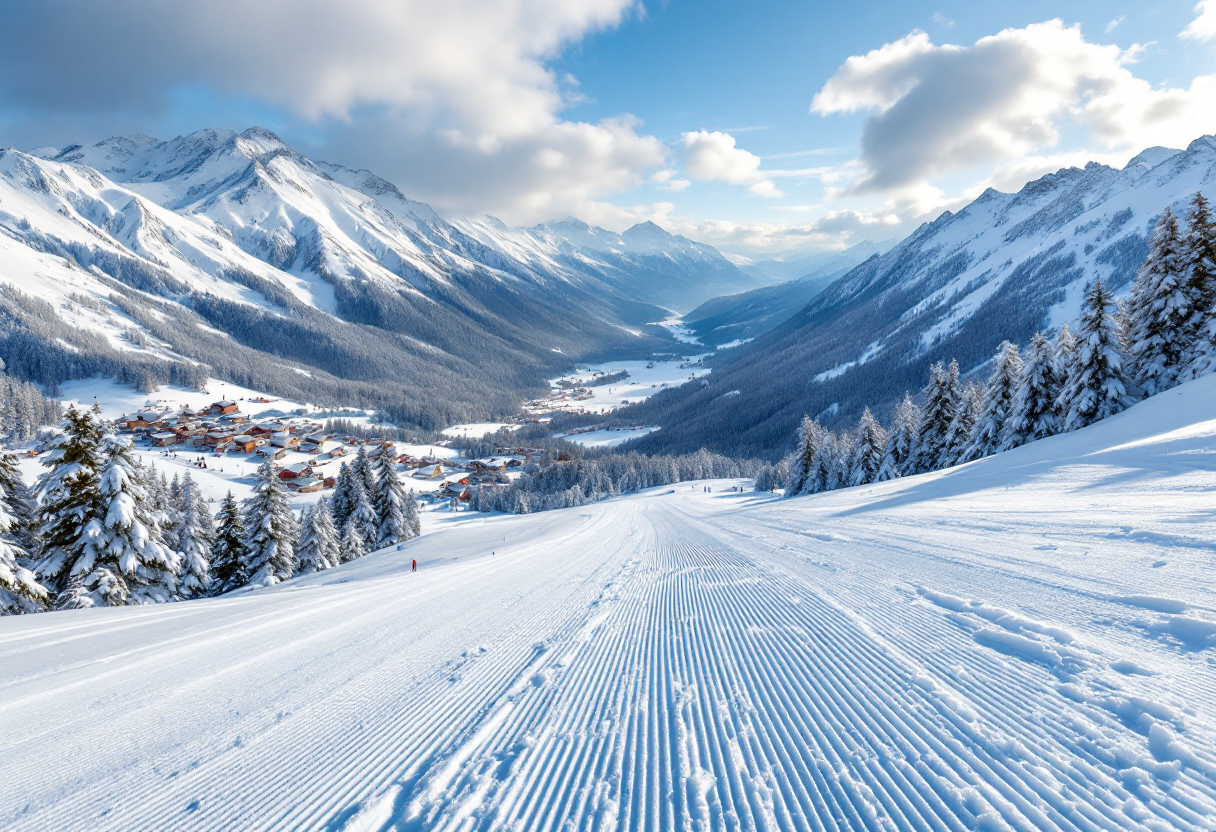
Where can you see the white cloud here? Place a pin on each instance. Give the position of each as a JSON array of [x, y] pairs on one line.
[[1203, 27], [465, 82], [933, 109], [1114, 24], [713, 156]]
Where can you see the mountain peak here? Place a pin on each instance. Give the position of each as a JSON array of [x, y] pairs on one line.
[[647, 230]]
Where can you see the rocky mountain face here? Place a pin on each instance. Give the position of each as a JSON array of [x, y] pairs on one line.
[[1001, 268], [233, 255]]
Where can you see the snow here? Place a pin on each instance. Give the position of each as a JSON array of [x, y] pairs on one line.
[[1023, 642], [645, 379], [609, 437], [476, 430]]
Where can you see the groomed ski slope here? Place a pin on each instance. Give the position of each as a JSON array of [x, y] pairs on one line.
[[1027, 642]]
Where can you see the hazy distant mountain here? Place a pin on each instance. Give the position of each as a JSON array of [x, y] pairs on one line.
[[1001, 268], [743, 316]]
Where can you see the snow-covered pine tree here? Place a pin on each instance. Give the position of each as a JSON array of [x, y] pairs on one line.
[[842, 460], [19, 588], [869, 450], [1065, 356], [998, 403], [1160, 311], [320, 547], [362, 517], [20, 504], [340, 502], [125, 559], [68, 500], [392, 524], [362, 467], [941, 402], [823, 464], [1032, 413], [1096, 386], [270, 531], [195, 536], [228, 551], [900, 440], [413, 519], [962, 427], [1199, 270], [809, 433], [352, 545]]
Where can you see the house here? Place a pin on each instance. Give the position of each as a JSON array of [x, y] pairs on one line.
[[429, 473], [217, 438], [164, 438], [272, 453], [222, 408], [244, 443], [262, 429], [307, 485], [283, 439], [295, 471]]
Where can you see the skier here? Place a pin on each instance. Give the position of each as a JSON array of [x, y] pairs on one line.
[[414, 565]]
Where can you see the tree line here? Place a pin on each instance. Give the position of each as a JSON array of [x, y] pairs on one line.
[[101, 529], [1162, 335]]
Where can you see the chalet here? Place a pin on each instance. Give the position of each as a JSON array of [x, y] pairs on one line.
[[217, 438], [271, 453], [165, 438], [309, 485], [134, 422], [331, 482], [223, 408], [317, 438], [262, 429], [244, 443], [292, 472], [283, 439], [429, 473]]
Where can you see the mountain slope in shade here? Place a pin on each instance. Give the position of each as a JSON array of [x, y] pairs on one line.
[[141, 258], [1001, 268], [744, 316]]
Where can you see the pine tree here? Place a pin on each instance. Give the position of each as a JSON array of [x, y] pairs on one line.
[[361, 467], [800, 466], [1160, 311], [340, 503], [20, 590], [270, 531], [319, 548], [998, 403], [353, 546], [961, 432], [1096, 385], [68, 500], [1033, 413], [391, 502], [19, 502], [195, 536], [941, 403], [823, 464], [228, 551], [125, 559], [900, 440], [1065, 357], [869, 450], [1199, 270], [362, 517], [413, 518]]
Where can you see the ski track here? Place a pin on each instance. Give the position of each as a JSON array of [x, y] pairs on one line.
[[681, 661]]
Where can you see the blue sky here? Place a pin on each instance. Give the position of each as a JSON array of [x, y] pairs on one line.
[[695, 114]]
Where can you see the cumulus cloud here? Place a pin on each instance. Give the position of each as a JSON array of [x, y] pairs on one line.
[[465, 81], [1203, 27], [935, 108], [713, 156]]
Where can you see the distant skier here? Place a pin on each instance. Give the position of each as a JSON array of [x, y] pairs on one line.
[[414, 565]]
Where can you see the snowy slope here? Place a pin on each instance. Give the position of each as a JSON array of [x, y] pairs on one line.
[[1002, 268], [1026, 642]]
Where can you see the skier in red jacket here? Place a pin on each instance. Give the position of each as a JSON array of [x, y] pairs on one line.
[[414, 564]]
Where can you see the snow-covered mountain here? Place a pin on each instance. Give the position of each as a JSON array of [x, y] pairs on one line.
[[142, 258], [1001, 268]]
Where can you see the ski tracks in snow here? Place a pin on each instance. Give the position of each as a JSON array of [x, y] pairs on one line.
[[643, 664]]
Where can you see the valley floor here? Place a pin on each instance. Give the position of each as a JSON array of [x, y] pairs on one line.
[[1027, 642]]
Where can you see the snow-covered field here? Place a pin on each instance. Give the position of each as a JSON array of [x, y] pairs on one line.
[[609, 437], [645, 379], [1027, 642]]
